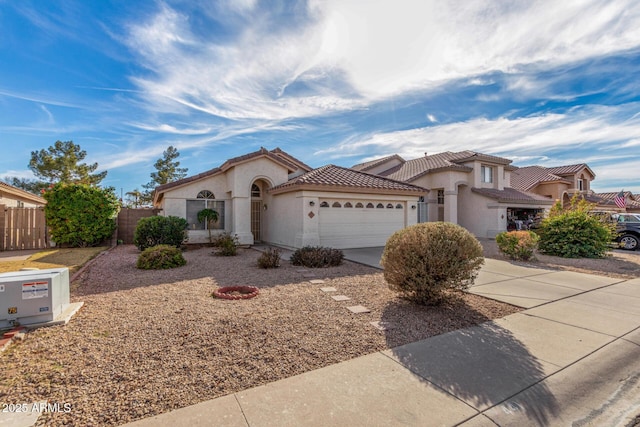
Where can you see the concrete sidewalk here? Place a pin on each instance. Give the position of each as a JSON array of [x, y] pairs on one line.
[[572, 357]]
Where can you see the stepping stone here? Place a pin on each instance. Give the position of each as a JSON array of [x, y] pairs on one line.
[[383, 326], [329, 289], [341, 298], [358, 309], [317, 281]]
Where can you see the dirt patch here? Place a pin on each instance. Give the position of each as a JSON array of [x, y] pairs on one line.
[[147, 342]]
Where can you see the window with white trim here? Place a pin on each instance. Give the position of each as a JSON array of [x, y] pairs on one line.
[[204, 200], [486, 173]]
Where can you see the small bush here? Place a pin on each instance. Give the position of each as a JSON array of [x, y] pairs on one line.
[[425, 261], [575, 232], [160, 257], [518, 245], [160, 230], [317, 257], [227, 244], [269, 258]]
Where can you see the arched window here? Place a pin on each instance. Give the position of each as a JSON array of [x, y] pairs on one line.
[[369, 205], [359, 205], [336, 205], [255, 191], [205, 199], [399, 206], [324, 205], [379, 206], [389, 205], [348, 205]]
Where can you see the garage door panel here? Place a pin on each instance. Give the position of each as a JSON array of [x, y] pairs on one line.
[[349, 227]]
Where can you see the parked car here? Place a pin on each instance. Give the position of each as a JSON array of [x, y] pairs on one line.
[[628, 228]]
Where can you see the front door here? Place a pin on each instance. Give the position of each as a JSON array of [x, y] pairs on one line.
[[255, 219]]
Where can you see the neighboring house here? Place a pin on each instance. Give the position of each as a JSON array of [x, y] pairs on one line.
[[467, 188], [632, 202], [13, 197], [563, 182], [270, 196]]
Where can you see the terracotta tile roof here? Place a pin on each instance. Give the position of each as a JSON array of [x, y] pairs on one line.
[[415, 168], [336, 177], [607, 199], [15, 191], [569, 169], [376, 162], [510, 194], [528, 177], [276, 155]]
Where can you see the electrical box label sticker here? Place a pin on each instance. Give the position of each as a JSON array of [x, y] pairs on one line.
[[1, 288], [35, 290]]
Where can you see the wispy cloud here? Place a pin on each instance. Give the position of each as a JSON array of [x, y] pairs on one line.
[[38, 99], [601, 128]]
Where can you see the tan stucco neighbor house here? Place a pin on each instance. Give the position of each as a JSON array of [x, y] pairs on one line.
[[467, 188], [269, 196], [13, 197]]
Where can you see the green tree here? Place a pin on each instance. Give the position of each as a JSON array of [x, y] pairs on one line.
[[80, 214], [574, 232], [134, 198], [61, 163], [31, 185], [208, 216], [167, 170]]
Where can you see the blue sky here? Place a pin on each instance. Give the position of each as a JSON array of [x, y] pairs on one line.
[[329, 81]]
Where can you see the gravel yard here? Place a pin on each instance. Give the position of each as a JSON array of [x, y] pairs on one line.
[[147, 342]]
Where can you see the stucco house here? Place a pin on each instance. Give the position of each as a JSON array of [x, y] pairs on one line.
[[467, 188], [13, 197], [563, 182], [269, 196]]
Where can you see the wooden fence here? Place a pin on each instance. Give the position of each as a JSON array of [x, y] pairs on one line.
[[22, 228], [127, 221]]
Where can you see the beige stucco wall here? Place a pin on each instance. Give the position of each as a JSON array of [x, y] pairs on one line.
[[290, 225], [13, 203], [482, 216]]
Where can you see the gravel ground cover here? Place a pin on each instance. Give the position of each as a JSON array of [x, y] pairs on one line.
[[147, 342]]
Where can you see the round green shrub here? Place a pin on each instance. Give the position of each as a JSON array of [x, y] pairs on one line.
[[517, 245], [160, 257], [575, 232], [160, 230], [317, 257], [80, 215], [425, 261]]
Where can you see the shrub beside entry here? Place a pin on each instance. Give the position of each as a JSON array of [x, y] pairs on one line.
[[517, 245], [317, 257], [160, 230], [425, 261], [269, 258], [160, 257]]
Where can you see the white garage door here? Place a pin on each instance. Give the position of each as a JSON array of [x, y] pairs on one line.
[[352, 224]]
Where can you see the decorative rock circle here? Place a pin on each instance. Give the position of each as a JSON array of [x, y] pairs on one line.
[[245, 292]]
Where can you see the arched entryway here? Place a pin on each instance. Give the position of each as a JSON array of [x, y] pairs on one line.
[[257, 192]]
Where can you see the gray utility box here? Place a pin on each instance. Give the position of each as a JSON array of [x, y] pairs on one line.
[[33, 297]]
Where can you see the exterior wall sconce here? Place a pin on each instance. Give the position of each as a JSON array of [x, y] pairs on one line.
[[264, 206], [312, 203], [413, 206]]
